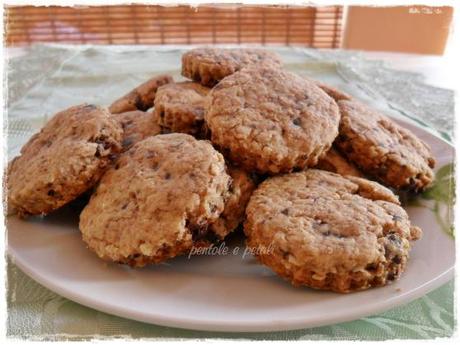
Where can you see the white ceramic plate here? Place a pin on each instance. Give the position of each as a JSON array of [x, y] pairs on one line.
[[220, 293]]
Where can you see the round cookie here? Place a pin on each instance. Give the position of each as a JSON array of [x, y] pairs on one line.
[[180, 107], [383, 149], [334, 162], [240, 192], [157, 201], [269, 120], [326, 231], [62, 161], [208, 66], [141, 97], [137, 125]]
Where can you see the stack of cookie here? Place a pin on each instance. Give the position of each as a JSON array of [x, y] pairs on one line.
[[173, 165]]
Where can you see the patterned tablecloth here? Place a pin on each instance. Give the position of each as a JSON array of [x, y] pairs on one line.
[[52, 77]]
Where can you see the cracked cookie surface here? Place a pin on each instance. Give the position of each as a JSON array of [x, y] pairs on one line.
[[208, 66], [330, 232], [268, 120], [383, 149], [65, 159], [137, 125], [180, 107], [157, 200], [141, 97]]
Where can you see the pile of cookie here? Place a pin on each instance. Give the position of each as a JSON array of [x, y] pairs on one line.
[[310, 171]]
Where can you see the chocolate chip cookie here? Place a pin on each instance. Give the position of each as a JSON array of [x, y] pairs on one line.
[[269, 120], [180, 107], [141, 97], [65, 159], [208, 66], [326, 231], [383, 149], [157, 201], [137, 125]]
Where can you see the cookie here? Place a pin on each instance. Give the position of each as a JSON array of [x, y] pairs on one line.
[[269, 120], [157, 201], [335, 162], [325, 231], [239, 193], [208, 66], [383, 149], [141, 97], [180, 107], [137, 125], [62, 161]]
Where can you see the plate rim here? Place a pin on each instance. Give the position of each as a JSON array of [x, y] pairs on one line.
[[219, 326]]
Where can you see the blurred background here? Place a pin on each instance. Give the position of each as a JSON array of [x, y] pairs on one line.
[[412, 29]]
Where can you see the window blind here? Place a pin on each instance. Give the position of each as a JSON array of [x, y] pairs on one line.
[[143, 24]]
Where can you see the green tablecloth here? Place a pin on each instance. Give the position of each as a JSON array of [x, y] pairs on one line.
[[51, 77]]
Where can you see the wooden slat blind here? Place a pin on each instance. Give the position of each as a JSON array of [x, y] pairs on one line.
[[143, 24]]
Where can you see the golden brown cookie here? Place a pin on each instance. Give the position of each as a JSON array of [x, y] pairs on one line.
[[137, 125], [157, 201], [141, 97], [335, 162], [62, 161], [208, 66], [180, 107], [269, 120], [233, 215], [383, 149], [329, 232]]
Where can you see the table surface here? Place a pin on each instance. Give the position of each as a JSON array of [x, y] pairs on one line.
[[437, 70], [36, 312]]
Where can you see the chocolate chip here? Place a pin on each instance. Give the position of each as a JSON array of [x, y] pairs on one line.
[[285, 254], [51, 192], [396, 218], [297, 121], [167, 176], [285, 211], [103, 144], [393, 238], [396, 260], [127, 142], [391, 276], [139, 103], [371, 267], [200, 233]]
